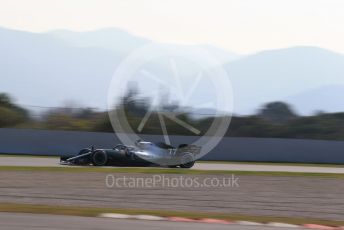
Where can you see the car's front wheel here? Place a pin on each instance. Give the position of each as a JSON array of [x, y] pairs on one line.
[[99, 158]]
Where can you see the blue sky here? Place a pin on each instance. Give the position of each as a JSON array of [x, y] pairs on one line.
[[242, 26]]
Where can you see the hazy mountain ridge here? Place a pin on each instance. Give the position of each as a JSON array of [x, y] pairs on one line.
[[109, 38], [123, 42], [326, 98], [46, 69], [281, 74]]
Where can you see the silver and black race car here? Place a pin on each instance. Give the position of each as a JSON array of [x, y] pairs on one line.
[[141, 154]]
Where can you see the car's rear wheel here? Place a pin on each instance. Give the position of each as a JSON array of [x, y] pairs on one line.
[[99, 158], [188, 165], [187, 161]]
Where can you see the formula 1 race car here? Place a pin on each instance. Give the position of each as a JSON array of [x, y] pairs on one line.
[[141, 154]]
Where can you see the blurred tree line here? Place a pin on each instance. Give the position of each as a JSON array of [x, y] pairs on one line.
[[275, 119], [11, 114]]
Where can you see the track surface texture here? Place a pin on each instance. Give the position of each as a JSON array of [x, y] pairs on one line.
[[309, 197]]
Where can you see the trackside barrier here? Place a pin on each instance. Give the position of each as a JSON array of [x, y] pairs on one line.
[[49, 142]]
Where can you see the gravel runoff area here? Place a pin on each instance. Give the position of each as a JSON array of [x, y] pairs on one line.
[[308, 197]]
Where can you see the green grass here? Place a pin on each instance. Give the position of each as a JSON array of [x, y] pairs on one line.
[[74, 169], [94, 211], [27, 155], [274, 163]]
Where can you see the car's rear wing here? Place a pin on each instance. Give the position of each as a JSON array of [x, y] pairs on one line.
[[193, 149]]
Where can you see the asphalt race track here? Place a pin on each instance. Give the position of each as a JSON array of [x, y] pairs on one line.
[[50, 161], [307, 197], [287, 196], [15, 221]]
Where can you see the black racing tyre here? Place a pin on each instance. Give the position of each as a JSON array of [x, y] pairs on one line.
[[99, 158], [187, 161], [187, 165]]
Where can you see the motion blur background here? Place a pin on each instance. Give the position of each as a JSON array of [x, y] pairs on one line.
[[285, 62], [284, 59]]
